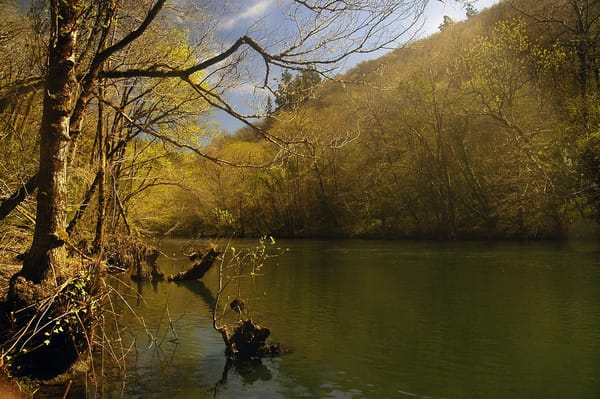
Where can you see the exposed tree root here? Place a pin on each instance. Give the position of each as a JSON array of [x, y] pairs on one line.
[[46, 327]]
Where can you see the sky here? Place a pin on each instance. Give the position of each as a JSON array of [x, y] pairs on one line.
[[455, 10], [253, 16]]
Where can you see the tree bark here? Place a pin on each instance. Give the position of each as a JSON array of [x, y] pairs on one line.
[[47, 250]]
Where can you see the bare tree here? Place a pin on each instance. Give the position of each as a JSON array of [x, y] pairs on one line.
[[318, 35]]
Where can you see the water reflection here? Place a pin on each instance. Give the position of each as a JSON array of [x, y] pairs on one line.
[[197, 287], [250, 371], [383, 320], [142, 288]]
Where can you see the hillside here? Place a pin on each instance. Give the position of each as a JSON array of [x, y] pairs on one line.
[[486, 129], [477, 131]]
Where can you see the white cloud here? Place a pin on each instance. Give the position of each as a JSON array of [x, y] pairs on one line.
[[254, 12]]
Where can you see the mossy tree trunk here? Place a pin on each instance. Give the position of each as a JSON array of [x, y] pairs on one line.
[[47, 250]]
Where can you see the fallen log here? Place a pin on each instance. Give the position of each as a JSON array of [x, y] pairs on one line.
[[203, 262]]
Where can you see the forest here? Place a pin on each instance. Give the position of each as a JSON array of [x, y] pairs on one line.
[[487, 129]]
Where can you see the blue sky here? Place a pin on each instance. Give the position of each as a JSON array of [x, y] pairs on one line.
[[256, 17]]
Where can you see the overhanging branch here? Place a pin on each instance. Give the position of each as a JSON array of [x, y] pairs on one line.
[[151, 132]]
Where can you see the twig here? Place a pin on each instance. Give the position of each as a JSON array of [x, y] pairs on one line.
[[171, 326], [68, 389]]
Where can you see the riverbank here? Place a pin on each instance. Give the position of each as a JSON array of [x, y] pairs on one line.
[[58, 322], [10, 388]]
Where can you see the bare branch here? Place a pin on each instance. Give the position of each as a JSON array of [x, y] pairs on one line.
[[105, 54], [152, 132]]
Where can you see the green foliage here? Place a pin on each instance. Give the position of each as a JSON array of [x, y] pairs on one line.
[[506, 64]]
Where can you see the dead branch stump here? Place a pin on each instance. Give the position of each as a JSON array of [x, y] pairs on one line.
[[249, 341]]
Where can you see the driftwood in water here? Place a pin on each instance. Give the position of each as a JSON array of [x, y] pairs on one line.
[[202, 263], [130, 253], [248, 341]]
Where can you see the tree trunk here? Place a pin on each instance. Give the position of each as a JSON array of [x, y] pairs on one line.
[[47, 250], [101, 212]]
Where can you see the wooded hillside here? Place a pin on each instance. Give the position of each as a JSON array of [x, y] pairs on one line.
[[487, 129]]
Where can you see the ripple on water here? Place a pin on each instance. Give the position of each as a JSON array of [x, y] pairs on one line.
[[387, 320]]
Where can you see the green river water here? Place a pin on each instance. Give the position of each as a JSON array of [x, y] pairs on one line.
[[378, 319]]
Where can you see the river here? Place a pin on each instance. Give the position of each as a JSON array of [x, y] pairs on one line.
[[378, 319]]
